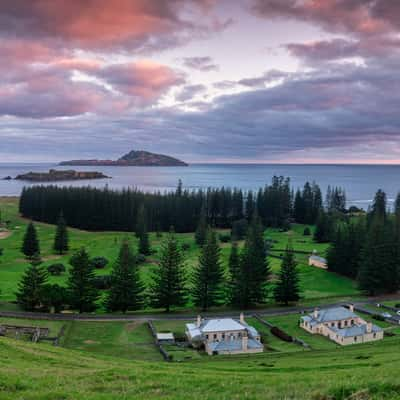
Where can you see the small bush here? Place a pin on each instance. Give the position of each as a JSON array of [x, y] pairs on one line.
[[397, 305], [102, 282], [279, 333], [185, 246], [99, 262], [56, 269], [225, 237], [307, 231], [140, 258], [378, 317]]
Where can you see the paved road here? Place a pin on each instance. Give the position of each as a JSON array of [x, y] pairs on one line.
[[177, 316]]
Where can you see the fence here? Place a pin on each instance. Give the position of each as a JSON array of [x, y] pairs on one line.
[[167, 357]]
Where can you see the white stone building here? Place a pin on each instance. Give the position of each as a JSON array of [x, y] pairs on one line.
[[224, 336], [341, 325]]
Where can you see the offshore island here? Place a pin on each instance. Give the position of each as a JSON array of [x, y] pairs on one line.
[[138, 158]]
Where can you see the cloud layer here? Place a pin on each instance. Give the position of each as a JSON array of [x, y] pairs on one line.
[[80, 73]]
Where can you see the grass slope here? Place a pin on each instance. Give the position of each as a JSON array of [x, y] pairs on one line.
[[315, 283], [34, 372]]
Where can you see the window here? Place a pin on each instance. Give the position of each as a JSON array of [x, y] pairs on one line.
[[332, 324], [207, 337], [223, 336], [352, 321], [215, 336], [239, 335], [345, 323], [355, 338], [374, 335]]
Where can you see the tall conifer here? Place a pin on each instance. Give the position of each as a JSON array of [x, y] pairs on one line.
[[61, 238], [82, 292], [207, 277], [126, 292], [30, 244], [168, 289]]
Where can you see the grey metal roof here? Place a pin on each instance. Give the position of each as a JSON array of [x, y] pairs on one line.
[[221, 325], [333, 314], [234, 345], [318, 258], [356, 330]]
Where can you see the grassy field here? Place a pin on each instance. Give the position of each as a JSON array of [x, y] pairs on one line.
[[315, 283], [364, 372]]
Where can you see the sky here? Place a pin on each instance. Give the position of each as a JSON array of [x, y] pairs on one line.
[[253, 81]]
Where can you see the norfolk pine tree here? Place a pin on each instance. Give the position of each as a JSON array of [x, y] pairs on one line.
[[168, 289], [30, 244], [126, 292], [208, 276], [61, 237]]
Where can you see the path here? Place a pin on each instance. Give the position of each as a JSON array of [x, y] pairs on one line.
[[176, 316]]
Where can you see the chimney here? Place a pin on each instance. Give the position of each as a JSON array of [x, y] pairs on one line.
[[369, 327], [198, 321], [244, 341], [351, 307], [315, 313], [241, 318]]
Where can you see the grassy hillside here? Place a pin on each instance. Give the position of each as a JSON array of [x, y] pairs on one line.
[[42, 371], [315, 283]]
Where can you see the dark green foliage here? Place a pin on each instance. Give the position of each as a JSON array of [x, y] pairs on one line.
[[224, 237], [30, 244], [239, 229], [102, 282], [29, 294], [307, 204], [141, 232], [201, 231], [250, 205], [234, 283], [56, 269], [207, 277], [287, 288], [379, 270], [104, 209], [82, 292], [185, 246], [168, 289], [344, 254], [335, 200], [324, 228], [307, 231], [254, 267], [54, 297], [98, 262], [61, 238], [140, 258], [126, 291]]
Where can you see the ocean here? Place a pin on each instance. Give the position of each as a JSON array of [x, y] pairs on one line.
[[360, 181]]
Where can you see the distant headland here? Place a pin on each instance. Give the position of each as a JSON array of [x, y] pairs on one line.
[[138, 158]]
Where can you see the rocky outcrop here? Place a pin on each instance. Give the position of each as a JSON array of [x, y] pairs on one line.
[[56, 175], [134, 158]]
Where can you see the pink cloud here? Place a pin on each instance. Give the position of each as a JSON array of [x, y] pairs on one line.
[[100, 24]]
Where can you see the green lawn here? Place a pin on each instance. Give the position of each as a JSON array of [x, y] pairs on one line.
[[131, 340], [37, 372], [315, 283]]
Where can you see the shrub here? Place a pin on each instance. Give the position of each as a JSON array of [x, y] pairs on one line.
[[225, 237], [307, 231], [378, 317], [185, 246], [397, 305], [99, 262], [140, 258], [279, 333], [56, 269], [102, 282]]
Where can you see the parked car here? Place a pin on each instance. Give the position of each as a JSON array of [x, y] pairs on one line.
[[398, 312], [386, 315]]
